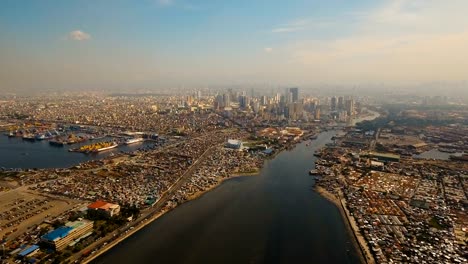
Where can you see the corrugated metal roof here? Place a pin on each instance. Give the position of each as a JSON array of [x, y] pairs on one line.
[[28, 250]]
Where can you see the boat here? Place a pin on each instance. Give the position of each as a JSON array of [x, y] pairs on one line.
[[313, 172], [56, 142], [42, 136], [97, 137], [133, 140], [96, 147], [29, 137], [114, 145]]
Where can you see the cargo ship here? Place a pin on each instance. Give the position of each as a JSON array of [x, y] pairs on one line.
[[96, 147], [114, 145], [133, 140]]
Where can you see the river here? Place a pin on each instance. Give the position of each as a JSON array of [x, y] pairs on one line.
[[275, 217]]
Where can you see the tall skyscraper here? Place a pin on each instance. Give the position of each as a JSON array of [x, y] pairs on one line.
[[317, 113], [333, 103], [226, 100], [295, 94], [349, 104], [218, 103], [244, 101], [340, 103]]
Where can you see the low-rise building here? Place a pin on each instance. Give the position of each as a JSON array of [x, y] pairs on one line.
[[105, 209], [234, 144]]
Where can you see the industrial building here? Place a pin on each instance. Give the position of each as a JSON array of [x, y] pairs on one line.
[[234, 144], [29, 251], [61, 237]]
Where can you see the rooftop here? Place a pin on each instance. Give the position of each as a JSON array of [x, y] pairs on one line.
[[28, 250], [60, 232]]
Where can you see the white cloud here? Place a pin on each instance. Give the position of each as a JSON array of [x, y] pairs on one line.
[[78, 35], [296, 25], [268, 50], [403, 40]]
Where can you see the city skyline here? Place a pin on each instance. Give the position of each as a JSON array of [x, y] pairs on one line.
[[156, 44]]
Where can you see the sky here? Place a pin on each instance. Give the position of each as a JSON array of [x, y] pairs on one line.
[[98, 44]]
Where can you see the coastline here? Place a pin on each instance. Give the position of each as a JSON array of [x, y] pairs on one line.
[[359, 241], [156, 216]]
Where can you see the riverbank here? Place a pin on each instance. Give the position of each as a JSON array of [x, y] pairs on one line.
[[255, 211], [233, 175], [351, 225], [148, 221], [194, 196]]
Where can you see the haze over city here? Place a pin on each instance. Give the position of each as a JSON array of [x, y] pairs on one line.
[[187, 132], [155, 44]]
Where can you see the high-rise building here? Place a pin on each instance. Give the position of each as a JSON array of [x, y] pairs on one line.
[[317, 113], [349, 104], [277, 98], [218, 103], [226, 100], [244, 101], [295, 94], [333, 103], [340, 103]]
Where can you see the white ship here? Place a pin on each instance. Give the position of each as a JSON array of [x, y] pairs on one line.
[[133, 140]]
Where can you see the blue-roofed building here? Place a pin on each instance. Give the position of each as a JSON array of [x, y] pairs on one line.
[[61, 237], [58, 233], [29, 251]]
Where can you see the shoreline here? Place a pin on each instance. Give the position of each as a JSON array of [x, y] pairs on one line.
[[195, 196], [162, 213], [232, 176], [359, 241]]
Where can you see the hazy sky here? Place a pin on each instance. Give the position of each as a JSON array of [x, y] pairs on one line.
[[152, 43]]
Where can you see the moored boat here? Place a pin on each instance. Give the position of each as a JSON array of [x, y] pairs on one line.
[[133, 140], [313, 172]]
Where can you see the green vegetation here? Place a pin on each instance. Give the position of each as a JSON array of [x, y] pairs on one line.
[[103, 225]]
